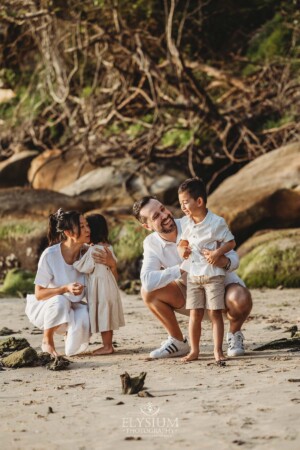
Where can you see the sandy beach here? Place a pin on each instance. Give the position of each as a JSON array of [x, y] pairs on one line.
[[252, 403]]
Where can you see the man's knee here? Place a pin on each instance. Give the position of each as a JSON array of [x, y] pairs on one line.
[[238, 299], [148, 297]]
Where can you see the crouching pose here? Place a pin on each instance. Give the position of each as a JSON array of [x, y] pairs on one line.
[[164, 286]]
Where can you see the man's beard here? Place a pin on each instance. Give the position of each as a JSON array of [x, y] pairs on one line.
[[170, 228]]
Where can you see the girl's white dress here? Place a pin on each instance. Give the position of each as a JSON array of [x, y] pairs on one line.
[[65, 311], [104, 300]]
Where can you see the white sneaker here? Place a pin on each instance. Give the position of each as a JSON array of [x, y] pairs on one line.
[[235, 344], [171, 348]]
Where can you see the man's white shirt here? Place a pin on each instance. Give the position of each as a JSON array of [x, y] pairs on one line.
[[161, 263]]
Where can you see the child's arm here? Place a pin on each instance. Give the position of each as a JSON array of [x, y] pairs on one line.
[[212, 256], [184, 249]]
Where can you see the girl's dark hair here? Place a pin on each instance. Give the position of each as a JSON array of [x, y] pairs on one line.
[[60, 222], [98, 227]]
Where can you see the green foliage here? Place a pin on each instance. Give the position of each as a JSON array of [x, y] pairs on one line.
[[273, 123], [18, 283], [176, 137], [268, 265], [272, 40], [86, 91]]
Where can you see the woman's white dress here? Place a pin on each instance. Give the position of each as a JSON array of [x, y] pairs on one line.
[[65, 310], [104, 300]]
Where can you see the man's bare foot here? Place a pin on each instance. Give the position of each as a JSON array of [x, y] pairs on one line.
[[104, 351], [219, 355], [190, 357], [47, 348]]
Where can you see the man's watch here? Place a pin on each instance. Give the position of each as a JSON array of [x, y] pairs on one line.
[[227, 267]]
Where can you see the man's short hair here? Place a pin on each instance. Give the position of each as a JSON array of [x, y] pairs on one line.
[[195, 187], [138, 205]]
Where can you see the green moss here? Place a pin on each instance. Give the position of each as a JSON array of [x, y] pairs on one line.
[[18, 228], [127, 240], [23, 358], [12, 344], [268, 265], [18, 283]]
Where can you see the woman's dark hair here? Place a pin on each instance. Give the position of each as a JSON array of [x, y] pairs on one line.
[[60, 222], [98, 227]]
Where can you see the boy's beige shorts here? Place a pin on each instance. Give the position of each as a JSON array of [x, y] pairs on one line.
[[196, 295], [205, 292]]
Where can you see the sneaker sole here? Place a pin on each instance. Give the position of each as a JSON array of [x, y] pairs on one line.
[[177, 355], [237, 353]]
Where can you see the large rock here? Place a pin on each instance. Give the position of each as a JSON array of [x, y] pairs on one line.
[[124, 182], [13, 171], [264, 194], [18, 202], [54, 169], [104, 186], [271, 259]]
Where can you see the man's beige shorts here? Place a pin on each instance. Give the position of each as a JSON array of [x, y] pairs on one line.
[[205, 292]]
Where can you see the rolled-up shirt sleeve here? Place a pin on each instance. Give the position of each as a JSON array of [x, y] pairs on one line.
[[235, 260], [152, 275]]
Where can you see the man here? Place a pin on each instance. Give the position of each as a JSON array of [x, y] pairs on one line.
[[163, 285]]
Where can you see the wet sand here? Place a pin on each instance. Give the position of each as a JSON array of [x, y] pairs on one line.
[[252, 403]]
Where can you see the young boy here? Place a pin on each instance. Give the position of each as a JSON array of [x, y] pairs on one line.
[[205, 238]]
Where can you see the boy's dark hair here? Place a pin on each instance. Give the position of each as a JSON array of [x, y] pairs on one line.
[[98, 227], [138, 205], [60, 222], [195, 187]]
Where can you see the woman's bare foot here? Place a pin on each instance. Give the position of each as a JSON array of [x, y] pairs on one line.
[[219, 355], [47, 348], [105, 350], [192, 356]]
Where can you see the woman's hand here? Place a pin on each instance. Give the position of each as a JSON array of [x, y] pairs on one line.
[[104, 256], [75, 288]]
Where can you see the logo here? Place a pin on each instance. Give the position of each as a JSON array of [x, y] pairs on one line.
[[150, 422]]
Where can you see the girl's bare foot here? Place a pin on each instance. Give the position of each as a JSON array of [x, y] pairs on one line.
[[192, 356], [48, 348], [219, 355], [106, 350]]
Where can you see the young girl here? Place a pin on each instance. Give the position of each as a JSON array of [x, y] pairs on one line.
[[104, 301]]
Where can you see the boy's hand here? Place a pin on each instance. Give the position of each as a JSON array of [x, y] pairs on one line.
[[211, 256], [183, 249]]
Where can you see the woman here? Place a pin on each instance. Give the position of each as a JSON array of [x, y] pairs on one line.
[[57, 305]]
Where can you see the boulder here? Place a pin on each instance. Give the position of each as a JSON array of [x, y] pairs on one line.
[[13, 171], [54, 169], [271, 259], [103, 186], [20, 203], [266, 192], [124, 182]]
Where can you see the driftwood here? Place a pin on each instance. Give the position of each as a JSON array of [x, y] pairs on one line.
[[279, 344], [132, 385]]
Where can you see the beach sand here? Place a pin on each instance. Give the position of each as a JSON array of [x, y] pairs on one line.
[[252, 403]]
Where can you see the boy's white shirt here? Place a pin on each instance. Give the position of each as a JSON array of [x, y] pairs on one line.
[[160, 254], [204, 235]]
